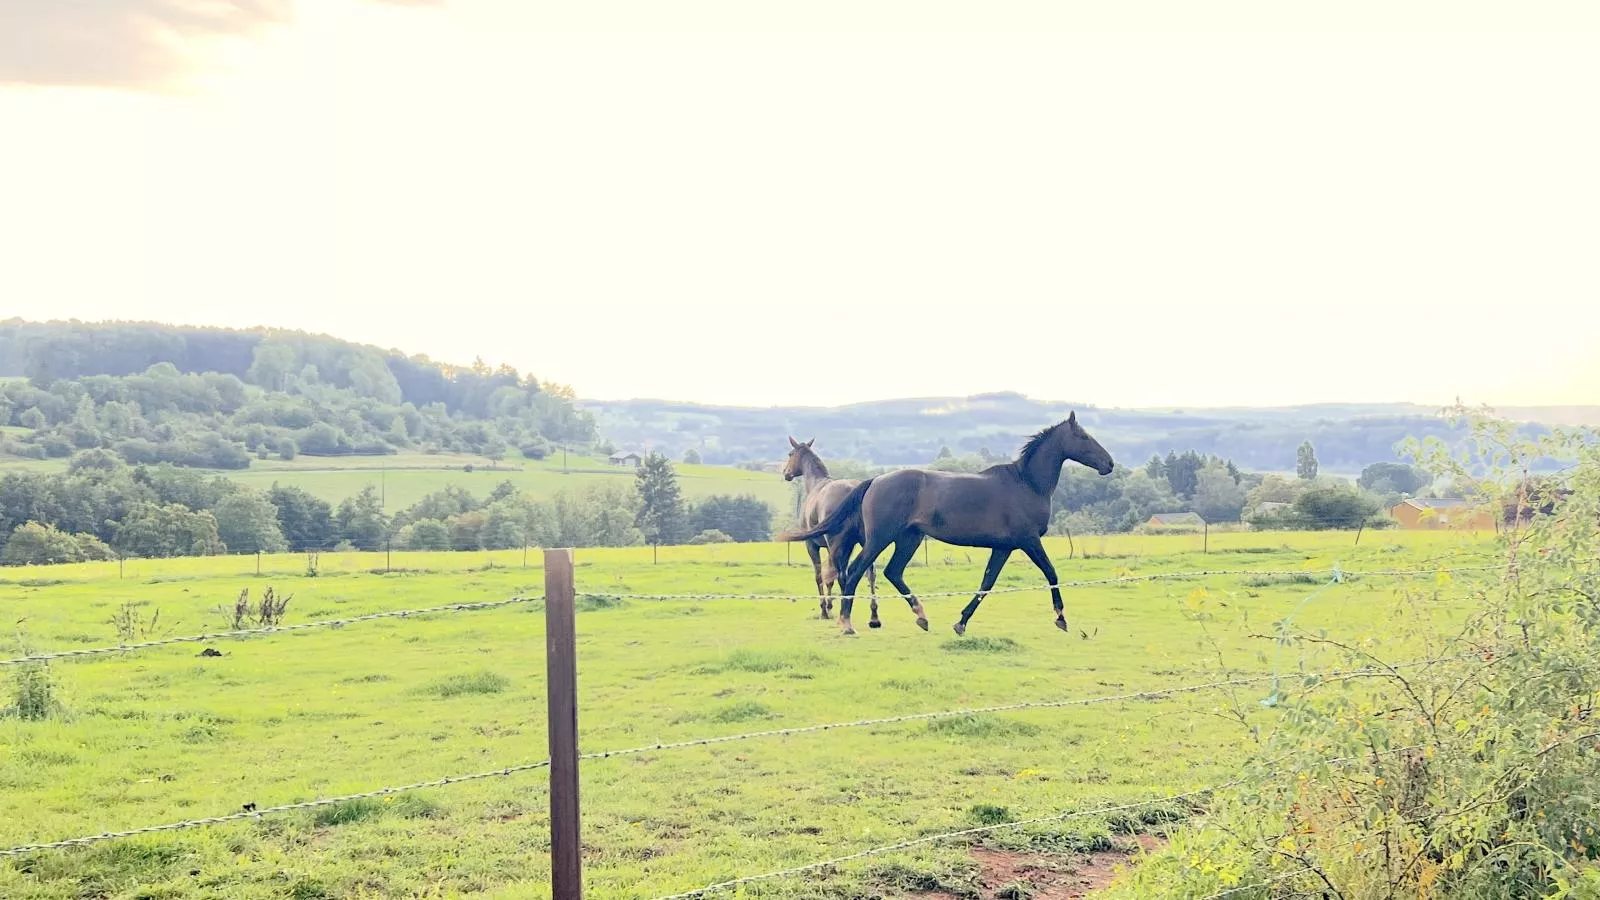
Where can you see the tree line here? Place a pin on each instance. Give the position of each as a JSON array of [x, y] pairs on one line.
[[216, 398], [100, 507]]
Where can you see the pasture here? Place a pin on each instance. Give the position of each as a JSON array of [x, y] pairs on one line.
[[407, 477], [165, 734]]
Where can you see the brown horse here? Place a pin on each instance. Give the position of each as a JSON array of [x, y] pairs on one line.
[[823, 492], [1004, 508]]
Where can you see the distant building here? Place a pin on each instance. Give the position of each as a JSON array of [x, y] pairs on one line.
[[1176, 520], [626, 458], [1434, 513]]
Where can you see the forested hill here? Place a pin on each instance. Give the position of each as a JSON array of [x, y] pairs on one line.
[[216, 397], [1347, 437]]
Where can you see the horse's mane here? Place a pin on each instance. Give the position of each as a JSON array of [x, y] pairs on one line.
[[1034, 443]]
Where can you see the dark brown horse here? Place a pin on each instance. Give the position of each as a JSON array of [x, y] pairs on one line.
[[1004, 508], [823, 492]]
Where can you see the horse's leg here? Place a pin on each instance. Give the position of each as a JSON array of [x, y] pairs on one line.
[[815, 553], [832, 574], [848, 545], [904, 549], [859, 565], [1035, 551], [997, 561]]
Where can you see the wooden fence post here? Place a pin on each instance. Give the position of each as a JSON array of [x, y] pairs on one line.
[[561, 677]]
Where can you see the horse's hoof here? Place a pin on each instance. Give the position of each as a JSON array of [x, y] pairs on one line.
[[961, 628], [1061, 623], [874, 624], [847, 632], [923, 624]]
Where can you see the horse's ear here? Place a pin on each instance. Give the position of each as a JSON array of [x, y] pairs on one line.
[[1073, 418], [810, 442], [792, 443]]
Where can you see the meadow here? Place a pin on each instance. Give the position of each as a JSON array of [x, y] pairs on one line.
[[406, 478], [166, 734]]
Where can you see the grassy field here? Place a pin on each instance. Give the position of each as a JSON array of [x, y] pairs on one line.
[[166, 735], [405, 478]]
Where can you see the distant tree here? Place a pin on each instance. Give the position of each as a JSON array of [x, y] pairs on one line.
[[969, 463], [1183, 472], [742, 519], [466, 530], [1306, 462], [691, 457], [155, 530], [452, 500], [32, 418], [1393, 478], [362, 521], [536, 448], [660, 515], [271, 364], [1217, 497], [427, 534], [305, 521], [710, 536], [505, 525], [944, 453], [96, 462], [1334, 507], [32, 544], [247, 522], [505, 490], [287, 449], [1155, 468]]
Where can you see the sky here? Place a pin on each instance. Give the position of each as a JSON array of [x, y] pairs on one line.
[[1129, 204]]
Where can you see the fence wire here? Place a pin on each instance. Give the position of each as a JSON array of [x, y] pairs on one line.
[[1095, 582], [257, 813], [494, 604], [271, 629], [700, 742]]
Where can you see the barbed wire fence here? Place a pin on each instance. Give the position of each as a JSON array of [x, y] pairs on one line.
[[392, 555], [559, 602]]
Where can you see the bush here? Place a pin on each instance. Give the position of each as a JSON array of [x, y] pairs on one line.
[[1470, 776], [32, 544], [711, 536]]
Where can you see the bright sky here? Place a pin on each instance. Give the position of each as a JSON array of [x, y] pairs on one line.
[[1128, 204]]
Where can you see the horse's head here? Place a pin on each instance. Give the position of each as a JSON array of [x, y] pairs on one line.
[[795, 465], [1081, 447]]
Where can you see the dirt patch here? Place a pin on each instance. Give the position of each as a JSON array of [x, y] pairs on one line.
[[1044, 876]]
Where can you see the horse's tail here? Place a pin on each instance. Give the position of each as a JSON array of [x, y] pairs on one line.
[[836, 521]]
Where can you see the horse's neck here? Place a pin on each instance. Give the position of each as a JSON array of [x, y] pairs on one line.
[[814, 475], [1043, 472]]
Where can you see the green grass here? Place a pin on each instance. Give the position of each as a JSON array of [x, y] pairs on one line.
[[407, 477], [166, 735]]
